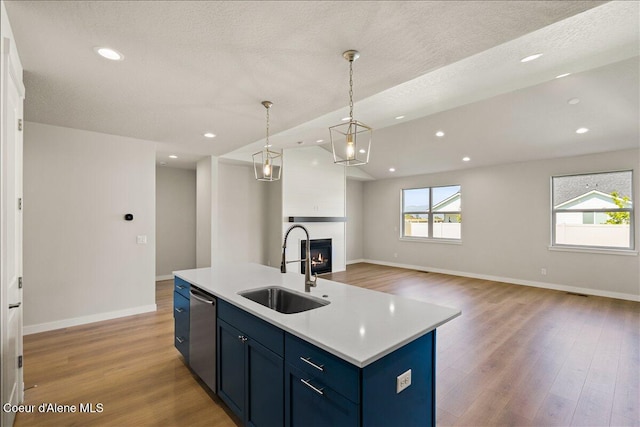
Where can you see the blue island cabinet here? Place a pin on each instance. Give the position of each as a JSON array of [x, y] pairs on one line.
[[250, 367], [181, 317], [269, 377]]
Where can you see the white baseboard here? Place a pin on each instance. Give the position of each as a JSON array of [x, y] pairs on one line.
[[75, 321], [544, 285], [355, 261], [166, 277]]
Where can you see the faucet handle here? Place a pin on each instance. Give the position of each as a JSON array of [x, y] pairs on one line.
[[315, 278], [283, 263]]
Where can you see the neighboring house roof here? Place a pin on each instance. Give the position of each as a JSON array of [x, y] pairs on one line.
[[451, 203], [566, 188], [593, 199]]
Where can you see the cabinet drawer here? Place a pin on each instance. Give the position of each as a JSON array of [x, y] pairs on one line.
[[329, 370], [181, 286], [266, 334], [309, 403], [181, 341], [180, 307], [181, 324]]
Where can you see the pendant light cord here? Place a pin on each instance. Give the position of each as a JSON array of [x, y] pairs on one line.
[[351, 90], [267, 144]]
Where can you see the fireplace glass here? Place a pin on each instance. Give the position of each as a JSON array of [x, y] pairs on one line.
[[320, 256]]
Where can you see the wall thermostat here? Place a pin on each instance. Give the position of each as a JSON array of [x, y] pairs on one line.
[[128, 217]]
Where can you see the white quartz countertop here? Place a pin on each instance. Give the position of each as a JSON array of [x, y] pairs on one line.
[[359, 325]]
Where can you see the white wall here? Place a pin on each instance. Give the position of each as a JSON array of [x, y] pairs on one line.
[[232, 214], [175, 220], [355, 218], [273, 242], [242, 208], [312, 185], [81, 259], [204, 211], [506, 227]]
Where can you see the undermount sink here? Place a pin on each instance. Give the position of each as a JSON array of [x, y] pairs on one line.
[[283, 300]]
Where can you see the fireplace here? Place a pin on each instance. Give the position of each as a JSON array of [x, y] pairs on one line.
[[320, 255]]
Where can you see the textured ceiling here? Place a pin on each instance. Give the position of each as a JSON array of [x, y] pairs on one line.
[[199, 66]]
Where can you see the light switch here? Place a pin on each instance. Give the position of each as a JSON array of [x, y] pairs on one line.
[[142, 240]]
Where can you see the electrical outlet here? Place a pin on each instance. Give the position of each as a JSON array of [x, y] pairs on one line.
[[403, 381], [543, 271], [142, 240], [395, 255]]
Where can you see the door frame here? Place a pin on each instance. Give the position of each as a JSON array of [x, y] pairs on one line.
[[10, 75]]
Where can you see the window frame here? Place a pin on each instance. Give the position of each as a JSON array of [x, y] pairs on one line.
[[430, 215], [591, 248]]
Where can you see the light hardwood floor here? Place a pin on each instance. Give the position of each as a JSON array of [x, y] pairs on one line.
[[517, 356]]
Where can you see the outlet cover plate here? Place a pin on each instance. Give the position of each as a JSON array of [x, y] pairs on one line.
[[403, 381]]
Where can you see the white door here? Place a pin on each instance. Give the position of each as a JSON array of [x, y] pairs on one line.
[[11, 235]]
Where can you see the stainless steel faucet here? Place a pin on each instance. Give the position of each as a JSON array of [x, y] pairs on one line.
[[308, 282]]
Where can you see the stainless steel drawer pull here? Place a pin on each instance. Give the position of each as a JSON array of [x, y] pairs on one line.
[[308, 360], [308, 384], [180, 340], [180, 287], [179, 310]]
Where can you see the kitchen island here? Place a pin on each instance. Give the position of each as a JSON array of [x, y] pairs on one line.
[[366, 358]]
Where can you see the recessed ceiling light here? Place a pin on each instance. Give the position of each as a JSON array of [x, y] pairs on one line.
[[344, 119], [392, 169], [582, 130], [399, 117], [163, 163], [173, 156], [466, 159], [573, 101], [439, 134], [362, 151], [320, 140], [531, 57], [563, 75], [209, 135], [109, 53]]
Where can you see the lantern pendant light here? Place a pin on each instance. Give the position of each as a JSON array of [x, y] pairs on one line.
[[351, 141], [267, 164]]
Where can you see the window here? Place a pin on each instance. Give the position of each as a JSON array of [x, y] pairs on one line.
[[593, 210], [431, 213]]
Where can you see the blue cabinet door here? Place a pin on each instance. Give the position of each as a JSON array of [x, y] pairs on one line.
[[231, 367], [249, 378], [310, 404], [265, 397]]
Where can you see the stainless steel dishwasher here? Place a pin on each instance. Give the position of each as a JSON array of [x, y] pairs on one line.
[[202, 336]]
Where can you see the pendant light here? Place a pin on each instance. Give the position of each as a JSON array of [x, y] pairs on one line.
[[267, 164], [351, 141]]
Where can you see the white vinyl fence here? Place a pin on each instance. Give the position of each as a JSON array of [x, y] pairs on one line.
[[442, 230], [612, 235]]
